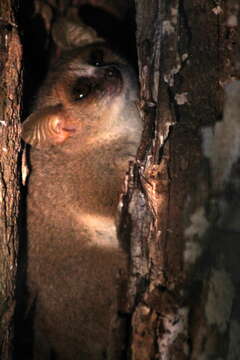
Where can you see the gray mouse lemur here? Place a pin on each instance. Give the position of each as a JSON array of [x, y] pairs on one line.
[[84, 130]]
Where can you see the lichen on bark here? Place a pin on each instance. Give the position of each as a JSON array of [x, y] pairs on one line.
[[10, 88]]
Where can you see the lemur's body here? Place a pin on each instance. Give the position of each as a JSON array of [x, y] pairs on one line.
[[83, 132]]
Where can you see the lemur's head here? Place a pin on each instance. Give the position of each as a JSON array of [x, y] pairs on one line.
[[89, 95]]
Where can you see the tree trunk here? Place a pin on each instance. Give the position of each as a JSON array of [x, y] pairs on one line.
[[181, 202], [10, 89], [180, 206]]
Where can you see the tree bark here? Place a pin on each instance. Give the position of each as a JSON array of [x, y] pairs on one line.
[[10, 89], [179, 202]]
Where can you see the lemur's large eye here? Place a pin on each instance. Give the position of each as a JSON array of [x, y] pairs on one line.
[[97, 57], [81, 89]]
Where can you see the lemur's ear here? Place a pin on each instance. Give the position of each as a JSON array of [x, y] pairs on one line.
[[68, 34], [48, 126]]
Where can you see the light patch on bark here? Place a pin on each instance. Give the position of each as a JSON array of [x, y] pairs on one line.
[[145, 310], [184, 56], [169, 77], [234, 341], [217, 10], [174, 325], [199, 223], [192, 252], [207, 140], [193, 234], [222, 144], [168, 28], [220, 297], [181, 99], [232, 21], [163, 135], [174, 14]]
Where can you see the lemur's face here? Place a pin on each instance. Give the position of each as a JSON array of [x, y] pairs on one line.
[[88, 93]]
